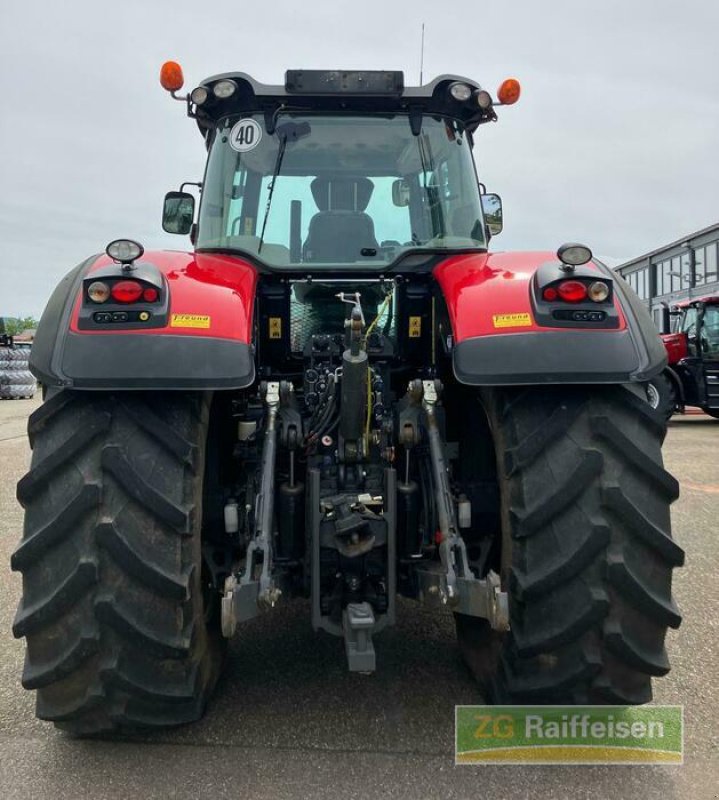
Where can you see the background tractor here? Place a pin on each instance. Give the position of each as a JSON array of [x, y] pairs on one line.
[[691, 377], [340, 394]]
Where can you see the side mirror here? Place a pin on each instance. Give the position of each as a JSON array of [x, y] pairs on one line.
[[400, 192], [178, 212], [492, 207]]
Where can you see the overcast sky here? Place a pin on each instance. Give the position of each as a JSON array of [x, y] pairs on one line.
[[615, 141]]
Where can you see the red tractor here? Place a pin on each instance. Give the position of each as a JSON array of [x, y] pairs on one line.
[[691, 377], [341, 394]]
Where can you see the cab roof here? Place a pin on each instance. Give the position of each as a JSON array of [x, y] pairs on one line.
[[709, 299], [342, 91]]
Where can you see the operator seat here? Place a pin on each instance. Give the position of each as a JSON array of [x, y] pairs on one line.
[[340, 230]]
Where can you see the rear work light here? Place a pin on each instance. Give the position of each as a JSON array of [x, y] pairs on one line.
[[224, 89], [483, 98], [124, 251], [199, 95], [126, 291], [572, 291], [460, 91]]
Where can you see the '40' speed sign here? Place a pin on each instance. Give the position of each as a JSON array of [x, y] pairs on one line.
[[245, 135]]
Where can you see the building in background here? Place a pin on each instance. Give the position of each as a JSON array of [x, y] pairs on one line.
[[678, 271]]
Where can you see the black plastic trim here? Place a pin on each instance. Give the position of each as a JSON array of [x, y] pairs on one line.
[[252, 96], [432, 257], [47, 346], [147, 361], [560, 356]]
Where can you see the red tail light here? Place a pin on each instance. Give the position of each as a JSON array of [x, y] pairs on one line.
[[572, 291], [150, 295], [550, 293], [126, 291]]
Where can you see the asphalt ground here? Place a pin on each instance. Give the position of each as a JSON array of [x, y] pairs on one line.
[[288, 721]]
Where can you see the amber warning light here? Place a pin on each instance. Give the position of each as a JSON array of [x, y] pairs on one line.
[[509, 91], [171, 77]]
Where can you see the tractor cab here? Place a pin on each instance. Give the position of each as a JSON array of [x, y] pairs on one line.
[[698, 320], [343, 170], [693, 354]]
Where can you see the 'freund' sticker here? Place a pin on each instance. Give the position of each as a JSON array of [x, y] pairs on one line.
[[190, 321], [511, 320]]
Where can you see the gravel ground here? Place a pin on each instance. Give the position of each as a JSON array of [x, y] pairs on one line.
[[288, 721]]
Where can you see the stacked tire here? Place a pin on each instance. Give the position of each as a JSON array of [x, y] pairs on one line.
[[16, 380]]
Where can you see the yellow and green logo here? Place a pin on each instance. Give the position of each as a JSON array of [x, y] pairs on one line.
[[569, 735]]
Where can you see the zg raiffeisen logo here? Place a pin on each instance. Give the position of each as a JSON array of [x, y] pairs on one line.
[[569, 735]]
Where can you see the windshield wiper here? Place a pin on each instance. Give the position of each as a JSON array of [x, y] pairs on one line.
[[289, 131], [271, 188]]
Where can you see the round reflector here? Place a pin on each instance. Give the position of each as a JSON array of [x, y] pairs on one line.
[[509, 91], [126, 291], [150, 294], [572, 291], [98, 292], [550, 293], [598, 291], [171, 77]]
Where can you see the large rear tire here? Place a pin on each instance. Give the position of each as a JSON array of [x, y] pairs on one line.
[[117, 628], [587, 554]]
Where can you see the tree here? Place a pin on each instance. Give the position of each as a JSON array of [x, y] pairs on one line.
[[16, 325]]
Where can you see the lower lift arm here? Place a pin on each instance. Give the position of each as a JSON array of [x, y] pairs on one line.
[[244, 598], [456, 584]]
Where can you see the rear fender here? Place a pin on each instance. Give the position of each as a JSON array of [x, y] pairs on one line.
[[199, 336], [505, 334]]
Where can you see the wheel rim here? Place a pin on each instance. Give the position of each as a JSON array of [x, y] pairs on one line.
[[652, 395]]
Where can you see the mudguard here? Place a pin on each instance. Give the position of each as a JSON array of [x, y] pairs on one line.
[[504, 334], [199, 339]]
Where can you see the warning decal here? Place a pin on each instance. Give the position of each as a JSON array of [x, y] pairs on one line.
[[511, 320], [275, 327], [415, 327], [190, 321]]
